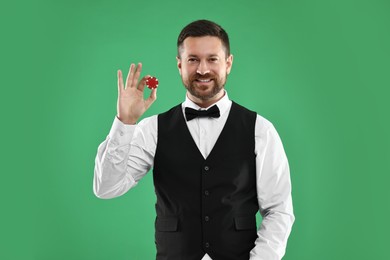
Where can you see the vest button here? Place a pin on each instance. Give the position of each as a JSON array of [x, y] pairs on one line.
[[206, 192], [207, 244], [206, 218], [206, 168]]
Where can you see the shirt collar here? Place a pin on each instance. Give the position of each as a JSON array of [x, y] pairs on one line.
[[223, 104]]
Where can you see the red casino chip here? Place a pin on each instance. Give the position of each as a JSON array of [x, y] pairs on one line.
[[152, 82]]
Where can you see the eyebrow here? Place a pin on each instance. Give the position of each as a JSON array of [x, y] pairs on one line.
[[209, 56]]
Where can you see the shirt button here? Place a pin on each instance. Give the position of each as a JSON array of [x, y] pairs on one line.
[[206, 192], [121, 133], [207, 244], [206, 168], [206, 218]]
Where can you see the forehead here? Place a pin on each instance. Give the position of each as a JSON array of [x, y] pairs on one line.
[[202, 46]]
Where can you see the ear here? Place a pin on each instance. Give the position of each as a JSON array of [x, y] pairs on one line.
[[229, 63], [178, 64]]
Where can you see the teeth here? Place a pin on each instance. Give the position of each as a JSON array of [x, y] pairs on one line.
[[204, 80]]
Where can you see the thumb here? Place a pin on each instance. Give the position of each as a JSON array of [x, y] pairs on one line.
[[152, 97]]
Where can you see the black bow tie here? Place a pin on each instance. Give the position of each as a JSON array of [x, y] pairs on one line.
[[192, 113]]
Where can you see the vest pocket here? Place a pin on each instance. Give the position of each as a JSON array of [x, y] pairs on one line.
[[166, 224], [244, 223]]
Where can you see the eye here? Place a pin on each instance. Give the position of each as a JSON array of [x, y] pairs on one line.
[[192, 60], [214, 59]]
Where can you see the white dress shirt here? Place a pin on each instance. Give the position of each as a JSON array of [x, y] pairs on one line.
[[128, 154]]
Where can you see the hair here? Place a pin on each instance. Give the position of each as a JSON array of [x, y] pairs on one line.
[[201, 28]]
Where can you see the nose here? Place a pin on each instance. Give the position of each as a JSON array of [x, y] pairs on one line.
[[202, 68]]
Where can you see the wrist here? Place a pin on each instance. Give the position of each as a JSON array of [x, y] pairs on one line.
[[127, 121]]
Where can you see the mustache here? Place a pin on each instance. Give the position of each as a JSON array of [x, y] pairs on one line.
[[205, 76]]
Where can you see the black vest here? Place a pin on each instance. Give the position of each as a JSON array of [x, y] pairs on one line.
[[205, 206]]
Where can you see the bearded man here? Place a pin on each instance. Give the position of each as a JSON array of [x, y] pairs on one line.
[[215, 163]]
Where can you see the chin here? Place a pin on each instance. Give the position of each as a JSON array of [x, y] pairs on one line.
[[206, 95]]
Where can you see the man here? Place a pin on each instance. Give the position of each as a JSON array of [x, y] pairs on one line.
[[215, 163]]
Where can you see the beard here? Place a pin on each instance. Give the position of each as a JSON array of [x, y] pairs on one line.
[[204, 92]]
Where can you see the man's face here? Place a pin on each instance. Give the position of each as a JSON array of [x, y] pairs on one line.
[[204, 67]]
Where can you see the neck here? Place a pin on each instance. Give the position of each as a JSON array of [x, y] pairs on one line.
[[204, 103]]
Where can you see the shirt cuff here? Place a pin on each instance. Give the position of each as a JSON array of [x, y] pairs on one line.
[[121, 133]]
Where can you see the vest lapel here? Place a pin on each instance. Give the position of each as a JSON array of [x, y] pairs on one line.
[[183, 121]]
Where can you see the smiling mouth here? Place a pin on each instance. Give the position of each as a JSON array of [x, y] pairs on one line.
[[203, 80]]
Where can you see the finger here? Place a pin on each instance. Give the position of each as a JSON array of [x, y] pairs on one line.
[[130, 75], [152, 97], [142, 83], [120, 81], [137, 74]]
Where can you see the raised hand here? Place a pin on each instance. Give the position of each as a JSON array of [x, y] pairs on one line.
[[131, 103]]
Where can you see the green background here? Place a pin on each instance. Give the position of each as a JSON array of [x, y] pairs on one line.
[[319, 70]]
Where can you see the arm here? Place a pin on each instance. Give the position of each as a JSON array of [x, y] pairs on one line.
[[124, 157], [127, 153], [274, 194]]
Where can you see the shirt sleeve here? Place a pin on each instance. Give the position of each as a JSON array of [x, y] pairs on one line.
[[273, 192], [124, 157]]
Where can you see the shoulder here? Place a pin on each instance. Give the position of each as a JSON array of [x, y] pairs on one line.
[[266, 132], [264, 128], [243, 114], [242, 108], [174, 110], [262, 124]]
